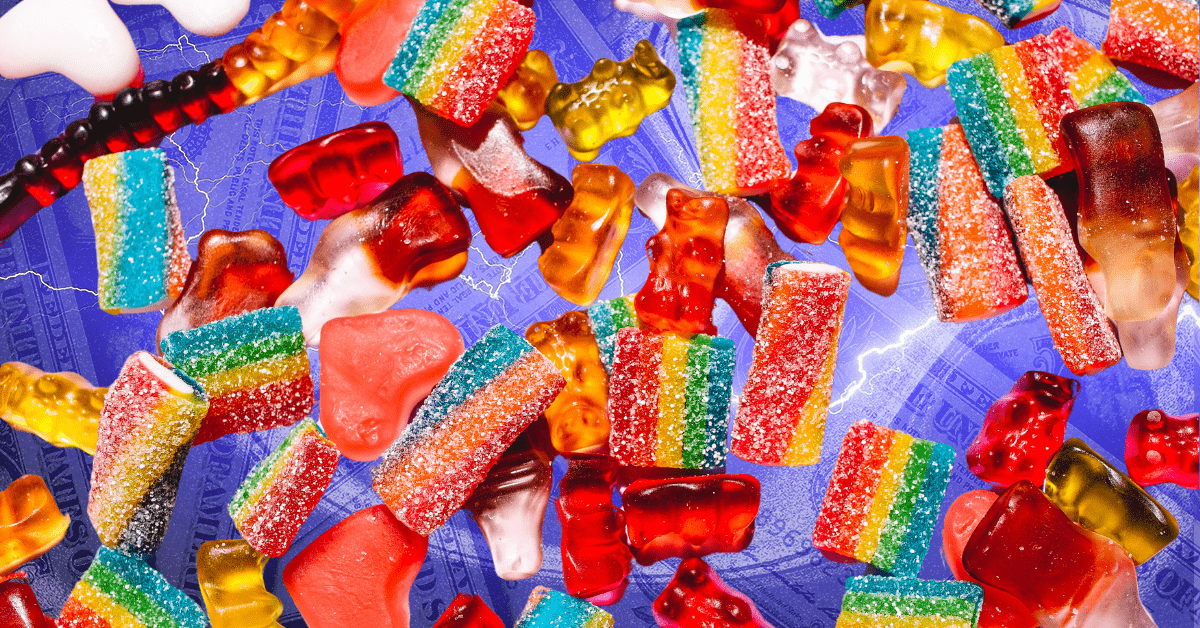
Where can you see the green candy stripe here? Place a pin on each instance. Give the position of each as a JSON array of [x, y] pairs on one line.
[[607, 318], [963, 84], [235, 341], [402, 65], [908, 493], [435, 38], [137, 574], [254, 352], [131, 598], [696, 402], [1001, 114], [920, 529], [909, 606], [263, 469]]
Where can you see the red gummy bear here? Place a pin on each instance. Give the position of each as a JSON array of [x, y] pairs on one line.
[[339, 172], [596, 564], [1163, 448], [806, 208], [689, 517], [18, 604], [1023, 430], [686, 259], [468, 611], [696, 596]]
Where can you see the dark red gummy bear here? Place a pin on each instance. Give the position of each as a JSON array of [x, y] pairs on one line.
[[19, 606], [1023, 430], [689, 517], [596, 564], [468, 611], [697, 598], [1163, 448]]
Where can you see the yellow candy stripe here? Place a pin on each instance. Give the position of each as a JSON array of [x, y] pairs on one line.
[[102, 194], [805, 446], [268, 481], [885, 495], [254, 375], [474, 17], [1025, 113], [1089, 75], [672, 399], [716, 124], [104, 606], [851, 619]]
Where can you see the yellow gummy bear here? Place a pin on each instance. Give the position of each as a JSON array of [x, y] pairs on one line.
[[923, 39], [874, 218], [30, 522], [61, 408], [524, 96], [611, 101], [1189, 205], [578, 417], [231, 583]]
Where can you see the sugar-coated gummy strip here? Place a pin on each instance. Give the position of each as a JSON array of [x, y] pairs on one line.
[[120, 590], [609, 317], [548, 608], [230, 342]]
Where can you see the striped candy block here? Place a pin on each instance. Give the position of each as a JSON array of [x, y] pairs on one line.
[[833, 8], [141, 252], [253, 366], [119, 591], [1010, 102], [1093, 78], [962, 238], [668, 399], [1018, 13], [781, 415], [883, 499], [488, 397], [459, 53], [873, 601], [724, 58], [608, 318], [283, 489], [548, 608], [1160, 34]]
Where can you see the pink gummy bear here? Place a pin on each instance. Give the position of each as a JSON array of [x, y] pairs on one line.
[[696, 596], [1163, 448], [1023, 430]]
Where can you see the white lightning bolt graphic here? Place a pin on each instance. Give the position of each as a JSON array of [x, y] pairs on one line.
[[178, 45], [865, 377], [48, 286]]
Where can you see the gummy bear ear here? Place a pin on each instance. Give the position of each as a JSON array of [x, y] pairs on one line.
[[83, 40], [202, 17]]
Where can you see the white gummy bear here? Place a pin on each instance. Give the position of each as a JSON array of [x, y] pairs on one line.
[[203, 17]]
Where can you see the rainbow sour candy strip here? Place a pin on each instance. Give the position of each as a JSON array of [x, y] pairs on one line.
[[548, 608], [608, 318], [488, 397], [1018, 13], [1159, 34], [1093, 78], [724, 58], [883, 498], [119, 591], [459, 53], [962, 238], [668, 399], [872, 601], [283, 489], [140, 247]]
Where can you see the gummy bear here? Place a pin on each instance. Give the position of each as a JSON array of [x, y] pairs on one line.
[[875, 216], [411, 236], [1163, 448], [610, 102], [515, 198], [1178, 119], [686, 258], [234, 272], [30, 522], [589, 235], [19, 605], [1189, 222], [61, 408], [1159, 34], [1023, 429], [340, 172], [596, 564], [697, 596], [578, 417], [524, 95], [467, 611], [808, 206], [1067, 577], [689, 517], [230, 575], [923, 39], [509, 506]]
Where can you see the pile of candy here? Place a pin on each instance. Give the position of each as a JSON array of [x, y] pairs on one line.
[[1055, 174]]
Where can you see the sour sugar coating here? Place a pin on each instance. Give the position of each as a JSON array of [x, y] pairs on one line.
[[725, 61], [458, 54], [1080, 330], [1150, 344], [697, 596], [413, 235], [879, 601], [807, 207], [151, 416], [875, 216], [1178, 119], [1159, 34], [357, 573], [253, 367], [1023, 430], [668, 400], [509, 507], [524, 95], [548, 608], [1189, 204], [230, 575], [140, 247], [962, 239], [234, 272], [883, 498], [515, 198], [488, 397], [1017, 13], [375, 369], [339, 172], [1094, 494], [610, 102], [1066, 576], [122, 590], [595, 561], [689, 517], [1163, 448], [19, 606], [283, 489], [833, 8], [818, 71], [590, 233], [923, 39], [1126, 217], [61, 408], [30, 522], [609, 317], [781, 414], [468, 611], [578, 417], [1092, 76]]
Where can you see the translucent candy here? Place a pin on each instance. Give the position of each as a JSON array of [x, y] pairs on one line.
[[596, 563], [875, 216], [30, 522], [230, 574], [1189, 205], [1023, 430], [121, 590], [1150, 344], [19, 605], [923, 39], [468, 611], [1178, 119], [524, 95], [578, 417], [1163, 448], [689, 517], [62, 408], [878, 601], [509, 506], [548, 608], [697, 596]]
